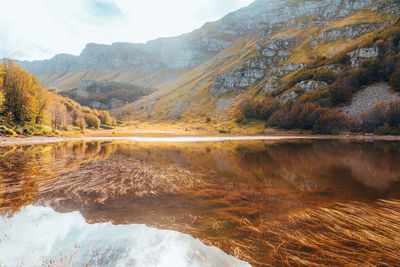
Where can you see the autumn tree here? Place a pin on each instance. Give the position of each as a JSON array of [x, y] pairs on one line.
[[24, 98], [92, 121], [104, 117], [59, 117], [81, 123]]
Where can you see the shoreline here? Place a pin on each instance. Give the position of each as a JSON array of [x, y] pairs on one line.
[[179, 138]]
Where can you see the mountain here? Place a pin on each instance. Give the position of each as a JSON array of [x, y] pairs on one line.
[[106, 95], [248, 54]]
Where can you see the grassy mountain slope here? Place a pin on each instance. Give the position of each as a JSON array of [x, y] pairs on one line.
[[196, 96], [106, 95]]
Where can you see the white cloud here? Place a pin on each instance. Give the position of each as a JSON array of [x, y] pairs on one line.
[[37, 29]]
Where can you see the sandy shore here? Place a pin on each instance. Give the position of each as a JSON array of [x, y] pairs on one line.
[[12, 141]]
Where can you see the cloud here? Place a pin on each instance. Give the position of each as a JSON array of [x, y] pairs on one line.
[[101, 8], [42, 28]]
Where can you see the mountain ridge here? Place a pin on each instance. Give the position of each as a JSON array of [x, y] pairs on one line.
[[246, 54], [176, 53]]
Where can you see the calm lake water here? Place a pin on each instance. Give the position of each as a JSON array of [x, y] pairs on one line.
[[125, 202]]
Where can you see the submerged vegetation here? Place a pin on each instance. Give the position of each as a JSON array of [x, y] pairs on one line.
[[350, 234], [258, 201], [27, 108]]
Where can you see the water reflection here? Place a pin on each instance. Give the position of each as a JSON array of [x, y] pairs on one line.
[[207, 190]]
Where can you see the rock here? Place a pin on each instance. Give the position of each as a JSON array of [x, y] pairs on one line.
[[366, 99], [348, 33], [292, 95], [85, 83], [286, 69], [190, 50], [271, 84], [359, 55], [239, 78], [334, 67], [223, 103], [179, 109], [310, 86]]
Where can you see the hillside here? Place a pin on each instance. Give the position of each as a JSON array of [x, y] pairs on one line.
[[106, 95], [252, 54], [26, 108]]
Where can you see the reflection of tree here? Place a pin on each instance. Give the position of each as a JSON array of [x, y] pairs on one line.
[[213, 191], [23, 170], [18, 170]]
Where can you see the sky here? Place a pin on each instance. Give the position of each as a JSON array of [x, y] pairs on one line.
[[39, 29]]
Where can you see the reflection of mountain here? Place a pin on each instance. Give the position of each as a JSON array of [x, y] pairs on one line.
[[207, 190]]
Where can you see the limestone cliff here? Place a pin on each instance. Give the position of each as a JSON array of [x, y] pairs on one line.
[[244, 53]]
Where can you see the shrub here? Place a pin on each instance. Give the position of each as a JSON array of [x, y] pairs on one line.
[[261, 110], [385, 130], [342, 58], [382, 113], [394, 80], [325, 76], [92, 121], [339, 93], [81, 123], [104, 117], [330, 121], [4, 130]]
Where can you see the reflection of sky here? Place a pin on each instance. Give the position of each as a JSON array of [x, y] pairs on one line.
[[38, 235]]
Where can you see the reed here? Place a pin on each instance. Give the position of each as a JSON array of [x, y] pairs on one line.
[[350, 234]]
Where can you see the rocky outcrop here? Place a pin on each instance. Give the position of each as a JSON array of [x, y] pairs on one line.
[[366, 99], [334, 67], [291, 95], [310, 86], [286, 69], [348, 33], [190, 50], [236, 79], [359, 55], [271, 84], [303, 87]]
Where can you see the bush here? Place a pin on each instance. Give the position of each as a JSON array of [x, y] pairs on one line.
[[92, 121], [386, 130], [309, 116], [81, 123], [381, 114], [330, 121], [342, 58], [104, 117], [5, 131], [325, 76], [339, 93], [261, 110], [394, 80]]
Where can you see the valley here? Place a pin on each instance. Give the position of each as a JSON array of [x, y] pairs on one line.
[[248, 57]]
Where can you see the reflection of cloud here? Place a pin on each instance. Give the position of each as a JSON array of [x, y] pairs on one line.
[[41, 28]]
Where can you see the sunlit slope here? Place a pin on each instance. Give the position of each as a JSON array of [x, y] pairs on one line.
[[257, 63]]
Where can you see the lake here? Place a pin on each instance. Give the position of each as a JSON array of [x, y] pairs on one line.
[[200, 202]]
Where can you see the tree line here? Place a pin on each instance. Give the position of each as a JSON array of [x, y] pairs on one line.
[[28, 108]]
